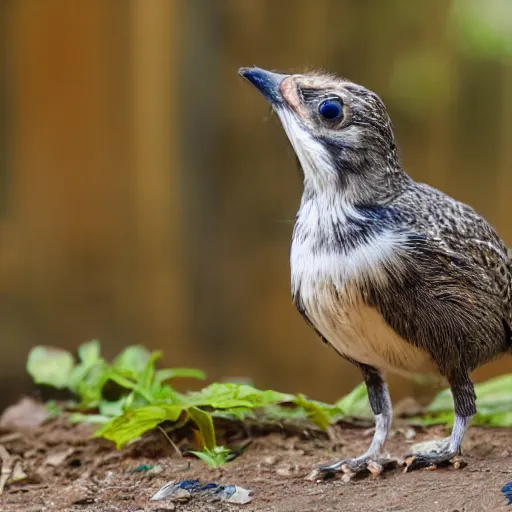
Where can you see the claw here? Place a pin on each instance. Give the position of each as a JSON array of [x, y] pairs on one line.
[[431, 461], [352, 468], [375, 468]]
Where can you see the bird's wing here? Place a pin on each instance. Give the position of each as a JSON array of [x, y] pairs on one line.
[[469, 245]]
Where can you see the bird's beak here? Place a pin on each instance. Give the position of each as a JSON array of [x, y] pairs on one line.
[[266, 82]]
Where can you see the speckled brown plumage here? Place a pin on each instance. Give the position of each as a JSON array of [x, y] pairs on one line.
[[394, 274]]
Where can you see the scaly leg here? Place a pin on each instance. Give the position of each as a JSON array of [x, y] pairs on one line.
[[442, 452], [380, 403]]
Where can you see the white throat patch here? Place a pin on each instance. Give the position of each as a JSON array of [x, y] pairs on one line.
[[314, 268], [313, 157]]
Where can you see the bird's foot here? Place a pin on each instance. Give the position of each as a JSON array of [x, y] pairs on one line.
[[433, 455], [351, 468]]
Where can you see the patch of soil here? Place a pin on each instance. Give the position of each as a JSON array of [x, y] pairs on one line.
[[68, 471]]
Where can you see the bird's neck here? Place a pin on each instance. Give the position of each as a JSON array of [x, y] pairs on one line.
[[376, 184]]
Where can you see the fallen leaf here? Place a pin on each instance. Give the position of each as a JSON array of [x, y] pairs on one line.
[[26, 414], [17, 474], [57, 457], [7, 464], [240, 496]]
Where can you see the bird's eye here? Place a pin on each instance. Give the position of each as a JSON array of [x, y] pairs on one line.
[[330, 109]]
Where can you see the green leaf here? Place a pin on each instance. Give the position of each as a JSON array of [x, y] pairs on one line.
[[88, 382], [132, 361], [112, 408], [163, 393], [227, 395], [89, 353], [89, 376], [443, 418], [123, 381], [234, 414], [129, 384], [205, 423], [54, 411], [317, 412], [356, 403], [214, 458], [493, 396], [282, 413], [50, 366], [499, 419], [442, 402], [492, 403], [148, 375], [133, 423], [78, 417], [173, 373]]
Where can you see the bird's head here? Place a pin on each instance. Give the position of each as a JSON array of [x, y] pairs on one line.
[[340, 131]]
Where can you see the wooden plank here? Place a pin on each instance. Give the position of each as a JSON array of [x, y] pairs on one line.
[[163, 304]]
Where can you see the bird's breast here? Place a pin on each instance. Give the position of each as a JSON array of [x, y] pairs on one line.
[[333, 285]]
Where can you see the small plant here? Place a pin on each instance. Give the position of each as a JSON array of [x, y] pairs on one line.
[[145, 398], [216, 457]]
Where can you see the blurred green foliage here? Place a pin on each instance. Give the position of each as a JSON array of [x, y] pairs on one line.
[[483, 29], [144, 401], [493, 403]]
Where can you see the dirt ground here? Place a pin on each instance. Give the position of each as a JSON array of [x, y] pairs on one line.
[[67, 471]]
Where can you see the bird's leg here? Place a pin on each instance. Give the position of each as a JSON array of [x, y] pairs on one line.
[[442, 452], [380, 403]]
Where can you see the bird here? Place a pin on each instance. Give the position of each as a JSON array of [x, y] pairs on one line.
[[394, 274]]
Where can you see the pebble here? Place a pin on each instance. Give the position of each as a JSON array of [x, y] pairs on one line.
[[270, 460], [168, 508], [288, 470]]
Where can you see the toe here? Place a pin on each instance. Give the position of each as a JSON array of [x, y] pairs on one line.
[[334, 467], [351, 468], [433, 461]]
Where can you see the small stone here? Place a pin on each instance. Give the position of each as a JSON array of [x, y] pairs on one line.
[[270, 460], [156, 470], [346, 478], [109, 479], [29, 453], [409, 434], [181, 495], [288, 470], [57, 457], [241, 496], [433, 445], [26, 414]]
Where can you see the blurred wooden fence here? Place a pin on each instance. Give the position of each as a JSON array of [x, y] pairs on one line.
[[145, 199]]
